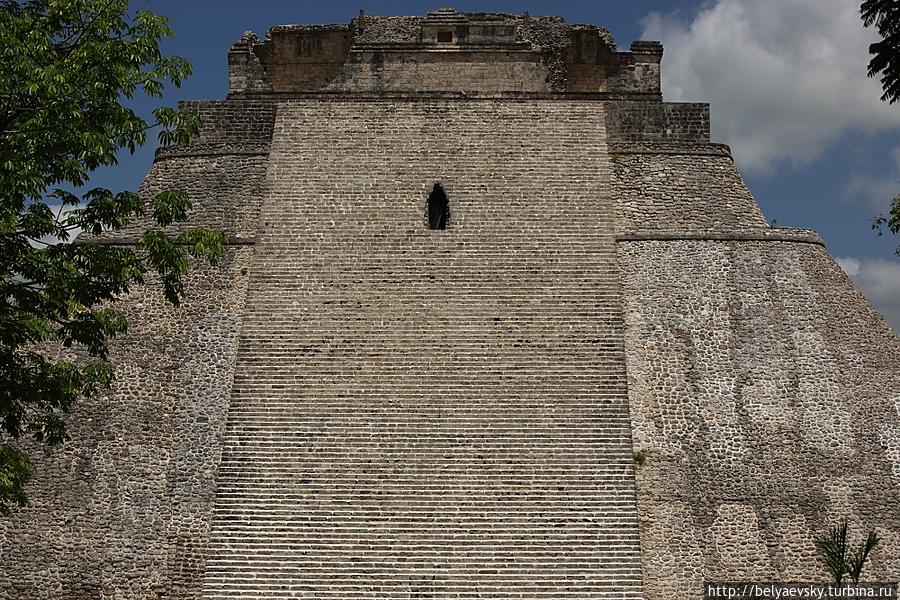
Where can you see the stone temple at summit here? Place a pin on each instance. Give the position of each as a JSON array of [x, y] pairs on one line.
[[494, 321]]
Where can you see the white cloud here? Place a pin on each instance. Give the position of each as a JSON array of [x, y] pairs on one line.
[[784, 79], [875, 191], [851, 266], [879, 280], [52, 240]]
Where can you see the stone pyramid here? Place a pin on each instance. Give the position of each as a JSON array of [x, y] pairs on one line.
[[495, 321]]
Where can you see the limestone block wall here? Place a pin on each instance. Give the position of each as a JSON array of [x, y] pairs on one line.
[[423, 71], [446, 413], [222, 170], [684, 187], [638, 71], [122, 510], [431, 413], [225, 192], [237, 127], [666, 122], [304, 57], [245, 70], [444, 51], [765, 393]]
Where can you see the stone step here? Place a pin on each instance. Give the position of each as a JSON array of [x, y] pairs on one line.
[[351, 526], [408, 561], [546, 449], [429, 414], [303, 417], [426, 527], [385, 502], [601, 412], [509, 561], [429, 585], [506, 547], [525, 566]]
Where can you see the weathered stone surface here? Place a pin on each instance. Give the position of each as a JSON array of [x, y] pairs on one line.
[[123, 509], [642, 121], [481, 53], [763, 393], [453, 413], [681, 192], [422, 412]]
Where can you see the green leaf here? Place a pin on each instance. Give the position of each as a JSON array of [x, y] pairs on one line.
[[169, 261], [15, 471], [891, 221], [834, 550], [860, 555], [170, 206], [204, 243], [92, 329], [105, 210], [66, 67]]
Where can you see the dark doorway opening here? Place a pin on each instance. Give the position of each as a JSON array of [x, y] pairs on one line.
[[438, 208]]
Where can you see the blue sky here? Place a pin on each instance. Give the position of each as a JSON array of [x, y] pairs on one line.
[[786, 82]]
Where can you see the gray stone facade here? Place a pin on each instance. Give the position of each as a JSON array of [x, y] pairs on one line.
[[354, 405], [757, 378]]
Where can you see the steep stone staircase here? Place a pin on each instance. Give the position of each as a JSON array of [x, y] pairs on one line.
[[431, 414]]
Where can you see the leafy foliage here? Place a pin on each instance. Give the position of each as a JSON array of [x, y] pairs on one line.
[[891, 221], [833, 547], [66, 67], [839, 558], [860, 555], [885, 16]]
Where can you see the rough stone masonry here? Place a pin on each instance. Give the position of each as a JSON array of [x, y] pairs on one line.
[[605, 376]]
